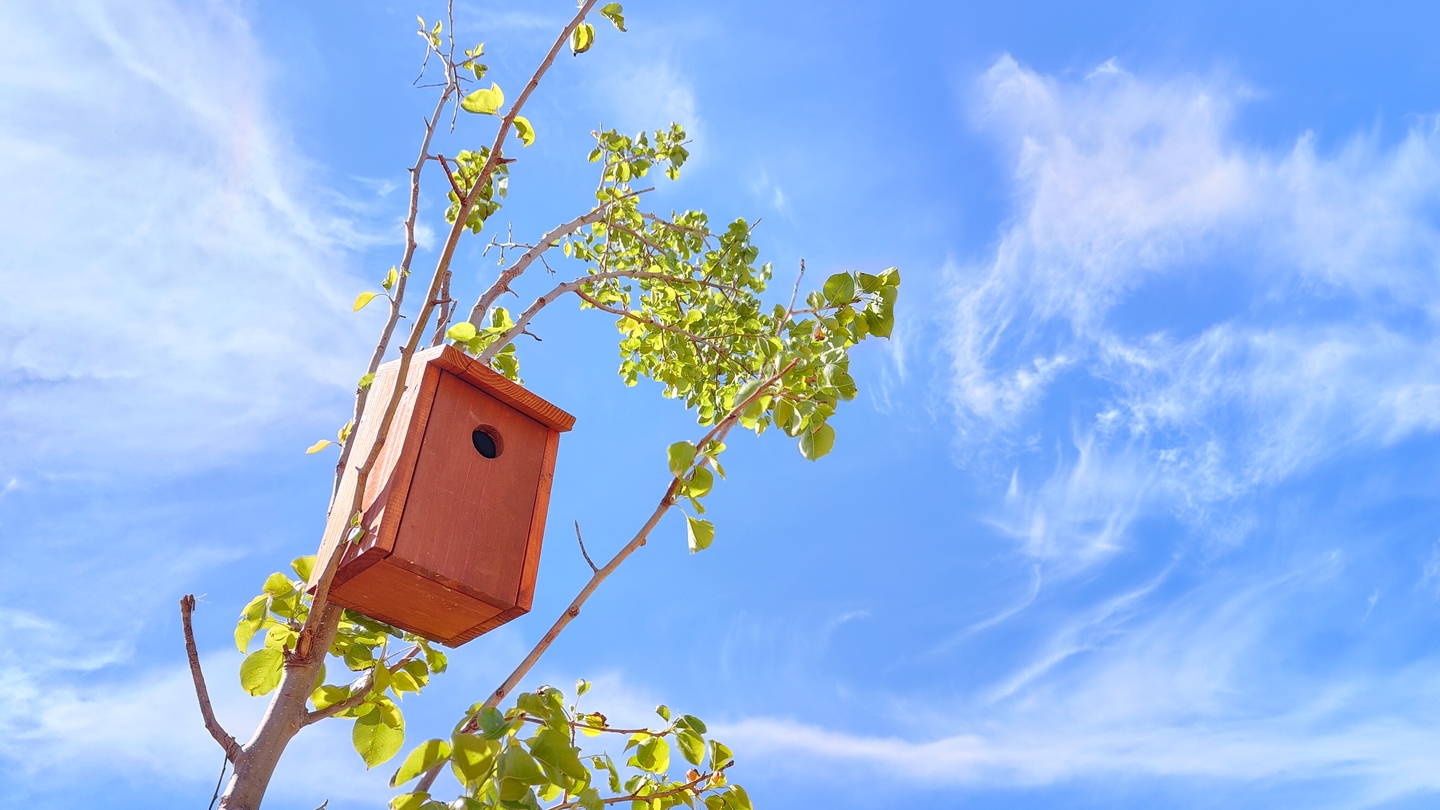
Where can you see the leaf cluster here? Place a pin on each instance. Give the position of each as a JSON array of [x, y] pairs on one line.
[[531, 757], [361, 643]]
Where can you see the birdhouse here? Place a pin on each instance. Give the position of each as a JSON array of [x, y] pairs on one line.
[[454, 509]]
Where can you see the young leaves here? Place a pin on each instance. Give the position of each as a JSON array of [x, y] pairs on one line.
[[261, 670], [615, 14], [700, 533], [483, 101], [425, 756], [523, 130], [362, 299], [379, 733], [582, 39]]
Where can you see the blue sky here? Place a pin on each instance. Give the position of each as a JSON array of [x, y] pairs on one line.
[[1136, 510]]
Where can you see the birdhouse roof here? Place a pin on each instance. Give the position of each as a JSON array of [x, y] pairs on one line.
[[497, 385]]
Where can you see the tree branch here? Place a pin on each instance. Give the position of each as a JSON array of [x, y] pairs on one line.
[[304, 646], [227, 743], [362, 393], [359, 690], [593, 567], [502, 283]]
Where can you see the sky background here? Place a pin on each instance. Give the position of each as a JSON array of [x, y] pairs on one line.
[[1137, 509]]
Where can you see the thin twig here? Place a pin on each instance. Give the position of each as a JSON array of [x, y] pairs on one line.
[[305, 645], [502, 283], [227, 743], [359, 690], [398, 298], [449, 175], [219, 783], [593, 567], [447, 306]]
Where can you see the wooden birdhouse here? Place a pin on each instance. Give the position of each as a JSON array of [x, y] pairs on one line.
[[454, 510]]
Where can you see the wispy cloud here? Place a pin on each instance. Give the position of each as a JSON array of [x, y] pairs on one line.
[[1149, 687], [1236, 315], [186, 287]]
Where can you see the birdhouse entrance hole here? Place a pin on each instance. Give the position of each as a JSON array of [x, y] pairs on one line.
[[486, 440]]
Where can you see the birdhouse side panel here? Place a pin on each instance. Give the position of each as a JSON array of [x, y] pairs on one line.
[[376, 401], [388, 485], [468, 517], [526, 595]]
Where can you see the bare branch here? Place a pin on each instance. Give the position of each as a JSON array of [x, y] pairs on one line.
[[593, 568], [227, 743], [447, 307], [398, 298], [305, 647], [449, 175], [502, 283]]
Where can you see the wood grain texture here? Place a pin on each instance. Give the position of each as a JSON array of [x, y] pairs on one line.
[[468, 517], [396, 596], [536, 534]]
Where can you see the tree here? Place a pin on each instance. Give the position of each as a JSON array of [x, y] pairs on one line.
[[687, 299]]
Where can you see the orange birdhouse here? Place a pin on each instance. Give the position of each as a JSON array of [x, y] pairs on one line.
[[454, 510]]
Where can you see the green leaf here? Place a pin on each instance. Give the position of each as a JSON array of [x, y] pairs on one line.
[[699, 483], [390, 278], [818, 442], [261, 670], [869, 283], [318, 446], [691, 746], [700, 533], [472, 757], [375, 738], [303, 567], [681, 455], [581, 687], [582, 39], [425, 756], [653, 755], [250, 620], [589, 799], [277, 584], [492, 722], [326, 696], [363, 299], [517, 764], [409, 801], [691, 722], [720, 755], [524, 130], [484, 102], [615, 14], [462, 331], [839, 288], [554, 749], [366, 381]]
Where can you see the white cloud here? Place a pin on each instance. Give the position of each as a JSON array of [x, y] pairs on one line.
[[1246, 314], [172, 283], [1149, 686]]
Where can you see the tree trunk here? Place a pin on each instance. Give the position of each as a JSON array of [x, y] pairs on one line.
[[283, 720]]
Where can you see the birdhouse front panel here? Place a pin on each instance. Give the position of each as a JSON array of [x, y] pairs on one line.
[[454, 510], [469, 513]]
